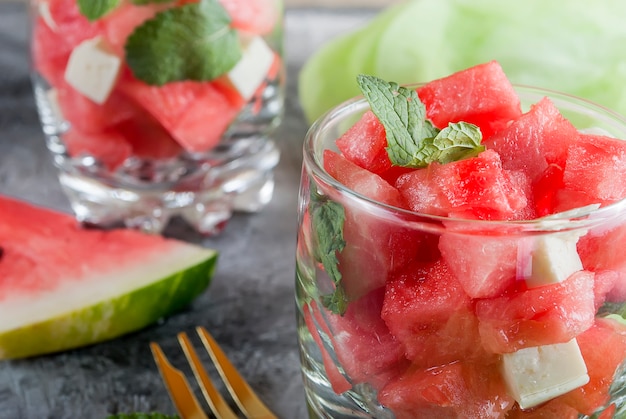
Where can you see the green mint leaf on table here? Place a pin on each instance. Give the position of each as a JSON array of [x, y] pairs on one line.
[[95, 9], [412, 139], [190, 42], [328, 218]]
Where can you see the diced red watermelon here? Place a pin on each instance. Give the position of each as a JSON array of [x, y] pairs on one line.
[[476, 187], [534, 140], [88, 116], [121, 22], [607, 288], [376, 245], [254, 16], [427, 310], [544, 315], [481, 95], [147, 138], [546, 188], [195, 113], [218, 104], [48, 59], [365, 144], [485, 265], [609, 265], [52, 46], [364, 347], [603, 347], [596, 166], [456, 390], [108, 146]]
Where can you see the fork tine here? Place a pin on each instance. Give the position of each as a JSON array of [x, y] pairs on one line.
[[239, 389], [216, 402], [186, 403]]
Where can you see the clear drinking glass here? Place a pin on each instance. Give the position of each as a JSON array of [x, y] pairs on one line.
[[405, 349], [154, 110]]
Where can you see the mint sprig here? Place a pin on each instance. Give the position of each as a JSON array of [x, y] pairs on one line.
[[327, 218], [190, 42], [412, 139], [95, 9]]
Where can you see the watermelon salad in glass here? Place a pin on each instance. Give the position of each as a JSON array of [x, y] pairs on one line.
[[157, 108], [460, 253]]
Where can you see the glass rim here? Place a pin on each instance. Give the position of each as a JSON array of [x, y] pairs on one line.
[[576, 218]]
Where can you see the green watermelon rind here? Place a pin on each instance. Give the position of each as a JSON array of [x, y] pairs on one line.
[[114, 317]]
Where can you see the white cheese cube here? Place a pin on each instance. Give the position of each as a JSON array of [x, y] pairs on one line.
[[93, 70], [248, 74], [553, 258], [538, 374]]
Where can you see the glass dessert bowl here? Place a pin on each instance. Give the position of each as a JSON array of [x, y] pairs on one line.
[[160, 109], [487, 285]]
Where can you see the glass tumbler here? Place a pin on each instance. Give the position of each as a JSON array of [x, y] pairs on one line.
[[154, 110], [409, 315]]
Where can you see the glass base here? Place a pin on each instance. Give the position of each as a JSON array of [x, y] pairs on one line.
[[205, 197]]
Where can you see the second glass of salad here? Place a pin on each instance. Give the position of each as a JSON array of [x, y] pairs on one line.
[[156, 109]]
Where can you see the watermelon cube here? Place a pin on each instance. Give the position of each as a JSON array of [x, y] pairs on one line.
[[545, 190], [456, 390], [121, 22], [88, 116], [603, 347], [257, 17], [427, 310], [534, 140], [549, 314], [54, 39], [596, 166], [365, 144], [196, 114], [592, 249], [147, 138], [376, 244], [481, 95], [363, 345], [109, 147], [485, 265], [476, 188], [253, 16]]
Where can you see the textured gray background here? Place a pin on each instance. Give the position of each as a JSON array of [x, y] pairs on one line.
[[249, 308]]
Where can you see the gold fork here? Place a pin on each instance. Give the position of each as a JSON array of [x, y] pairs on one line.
[[183, 397]]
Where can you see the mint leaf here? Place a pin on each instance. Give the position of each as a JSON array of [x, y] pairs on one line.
[[412, 139], [190, 42], [402, 114], [457, 141], [95, 9], [327, 218]]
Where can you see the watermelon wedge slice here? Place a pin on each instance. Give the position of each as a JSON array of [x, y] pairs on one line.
[[63, 286]]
